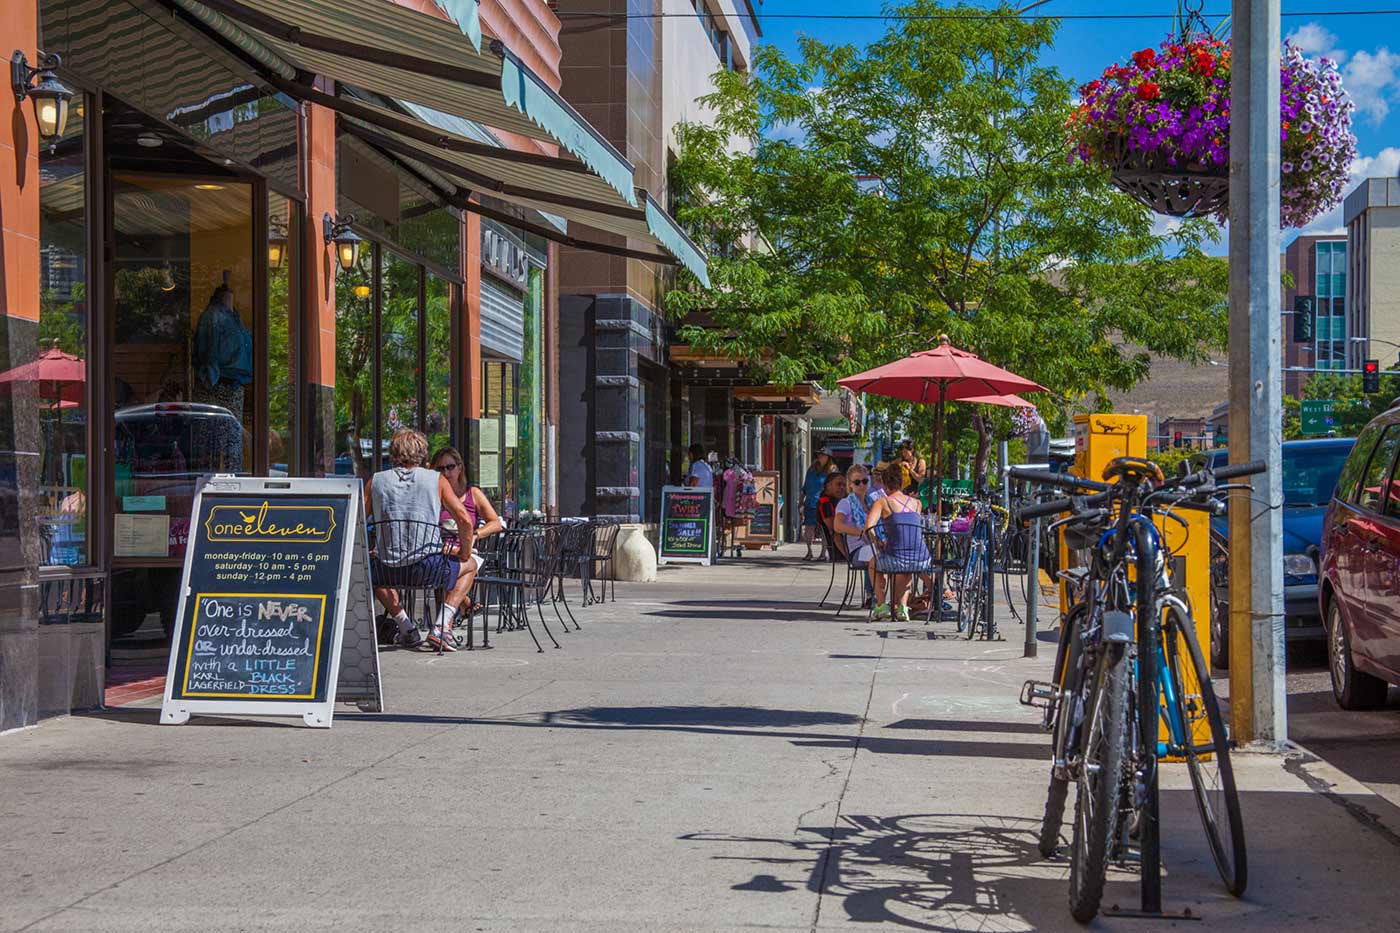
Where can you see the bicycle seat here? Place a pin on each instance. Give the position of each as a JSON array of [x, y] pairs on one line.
[[1132, 469]]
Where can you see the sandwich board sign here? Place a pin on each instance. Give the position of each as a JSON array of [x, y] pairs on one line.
[[687, 525], [274, 616]]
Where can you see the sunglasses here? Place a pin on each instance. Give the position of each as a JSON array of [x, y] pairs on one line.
[[449, 466], [860, 482]]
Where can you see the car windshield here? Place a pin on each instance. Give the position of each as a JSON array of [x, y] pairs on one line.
[[1310, 474]]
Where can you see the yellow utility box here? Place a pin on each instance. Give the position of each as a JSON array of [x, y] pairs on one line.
[[1099, 439]]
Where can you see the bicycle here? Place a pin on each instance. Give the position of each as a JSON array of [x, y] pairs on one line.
[[1128, 659], [989, 523]]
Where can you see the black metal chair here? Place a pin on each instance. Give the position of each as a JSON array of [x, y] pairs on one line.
[[899, 539], [855, 572], [599, 561], [511, 576], [420, 594]]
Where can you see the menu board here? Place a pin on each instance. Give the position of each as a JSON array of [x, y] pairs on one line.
[[263, 605], [687, 524], [761, 527]]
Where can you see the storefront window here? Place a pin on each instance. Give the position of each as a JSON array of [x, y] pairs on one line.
[[55, 380], [355, 360], [282, 260], [182, 358], [398, 340], [437, 422], [530, 468]]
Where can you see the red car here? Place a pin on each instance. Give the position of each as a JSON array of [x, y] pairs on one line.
[[1360, 593]]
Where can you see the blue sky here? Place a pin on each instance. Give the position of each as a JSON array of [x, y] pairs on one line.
[[1367, 46]]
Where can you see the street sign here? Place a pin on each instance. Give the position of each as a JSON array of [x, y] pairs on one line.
[[1316, 415], [687, 524], [274, 614]]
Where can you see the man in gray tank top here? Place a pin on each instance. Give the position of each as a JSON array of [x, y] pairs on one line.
[[405, 505]]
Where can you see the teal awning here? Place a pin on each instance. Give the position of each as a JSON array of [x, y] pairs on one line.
[[407, 55], [670, 235], [464, 13]]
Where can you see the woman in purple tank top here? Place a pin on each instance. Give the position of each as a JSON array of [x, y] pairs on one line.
[[449, 462]]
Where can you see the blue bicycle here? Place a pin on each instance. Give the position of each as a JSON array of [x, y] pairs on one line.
[[1104, 710]]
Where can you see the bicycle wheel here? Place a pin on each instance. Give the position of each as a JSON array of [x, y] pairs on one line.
[[1100, 785], [966, 593], [973, 578], [1067, 710], [1207, 754]]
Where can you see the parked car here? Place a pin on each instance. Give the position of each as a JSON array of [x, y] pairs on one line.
[[1360, 593], [1310, 471]]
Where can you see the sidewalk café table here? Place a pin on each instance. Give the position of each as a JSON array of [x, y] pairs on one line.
[[949, 549]]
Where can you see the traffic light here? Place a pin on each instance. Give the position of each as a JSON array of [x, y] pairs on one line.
[[1304, 314], [1371, 376], [1176, 439]]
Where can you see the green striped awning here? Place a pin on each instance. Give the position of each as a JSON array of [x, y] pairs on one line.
[[403, 54]]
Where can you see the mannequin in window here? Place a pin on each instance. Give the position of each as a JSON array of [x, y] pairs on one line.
[[223, 368]]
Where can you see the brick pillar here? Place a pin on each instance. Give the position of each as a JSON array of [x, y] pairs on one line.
[[19, 414], [471, 327], [318, 298]]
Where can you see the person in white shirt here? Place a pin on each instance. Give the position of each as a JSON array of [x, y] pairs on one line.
[[701, 473], [850, 521]]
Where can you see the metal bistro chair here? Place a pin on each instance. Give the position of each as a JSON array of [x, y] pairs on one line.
[[574, 544], [898, 538], [510, 577], [421, 600], [855, 572], [599, 561]]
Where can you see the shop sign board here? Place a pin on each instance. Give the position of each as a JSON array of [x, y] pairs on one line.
[[687, 525], [1316, 415], [761, 528], [274, 616]]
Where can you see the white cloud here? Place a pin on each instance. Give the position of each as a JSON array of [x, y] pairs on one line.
[[1316, 39], [1373, 79], [1384, 164]]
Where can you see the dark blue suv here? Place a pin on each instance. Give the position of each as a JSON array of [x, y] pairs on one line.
[[1310, 469]]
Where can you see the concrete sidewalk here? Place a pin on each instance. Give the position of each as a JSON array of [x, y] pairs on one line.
[[710, 752]]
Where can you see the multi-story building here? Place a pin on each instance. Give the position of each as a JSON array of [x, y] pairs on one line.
[[375, 190], [1317, 266], [1372, 215], [635, 69]]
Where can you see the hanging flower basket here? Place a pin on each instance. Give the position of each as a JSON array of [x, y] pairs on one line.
[[1161, 126]]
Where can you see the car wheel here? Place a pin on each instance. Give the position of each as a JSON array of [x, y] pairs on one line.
[[1351, 688], [1220, 606]]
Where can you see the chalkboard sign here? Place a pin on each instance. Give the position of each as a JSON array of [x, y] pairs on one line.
[[687, 524], [761, 527], [261, 621]]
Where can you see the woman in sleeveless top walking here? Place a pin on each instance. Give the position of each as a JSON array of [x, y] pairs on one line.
[[903, 552]]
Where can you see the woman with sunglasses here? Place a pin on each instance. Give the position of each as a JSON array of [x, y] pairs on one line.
[[449, 462], [849, 520]]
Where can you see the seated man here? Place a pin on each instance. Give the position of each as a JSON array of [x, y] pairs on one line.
[[414, 553]]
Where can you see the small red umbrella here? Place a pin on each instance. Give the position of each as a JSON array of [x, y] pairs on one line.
[[943, 374], [58, 375], [1004, 401]]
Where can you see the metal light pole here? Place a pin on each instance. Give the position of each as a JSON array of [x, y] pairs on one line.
[[1257, 689]]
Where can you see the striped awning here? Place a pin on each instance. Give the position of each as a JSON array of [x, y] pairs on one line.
[[401, 53], [421, 60]]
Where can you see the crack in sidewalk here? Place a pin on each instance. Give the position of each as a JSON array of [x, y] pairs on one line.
[[257, 819], [824, 860]]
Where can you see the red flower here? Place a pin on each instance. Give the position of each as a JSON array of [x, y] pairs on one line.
[[1145, 59], [1205, 63], [1148, 91]]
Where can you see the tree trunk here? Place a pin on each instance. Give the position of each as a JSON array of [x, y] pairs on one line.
[[984, 449]]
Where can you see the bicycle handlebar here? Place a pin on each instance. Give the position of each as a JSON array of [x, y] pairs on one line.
[[1058, 480]]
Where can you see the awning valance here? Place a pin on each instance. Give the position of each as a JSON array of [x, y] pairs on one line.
[[401, 53]]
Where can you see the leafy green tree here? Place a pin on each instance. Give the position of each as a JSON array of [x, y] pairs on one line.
[[1352, 410], [921, 186]]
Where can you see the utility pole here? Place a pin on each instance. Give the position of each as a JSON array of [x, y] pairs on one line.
[[1258, 711]]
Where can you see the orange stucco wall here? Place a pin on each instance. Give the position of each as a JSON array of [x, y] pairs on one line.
[[19, 174]]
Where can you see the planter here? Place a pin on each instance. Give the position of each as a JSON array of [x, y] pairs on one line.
[[1160, 126]]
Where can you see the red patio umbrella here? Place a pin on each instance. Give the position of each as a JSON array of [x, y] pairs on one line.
[[943, 374], [58, 375]]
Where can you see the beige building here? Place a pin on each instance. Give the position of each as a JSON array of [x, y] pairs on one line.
[[1372, 214]]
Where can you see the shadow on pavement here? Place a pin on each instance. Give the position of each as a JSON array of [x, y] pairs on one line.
[[924, 871], [750, 716]]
